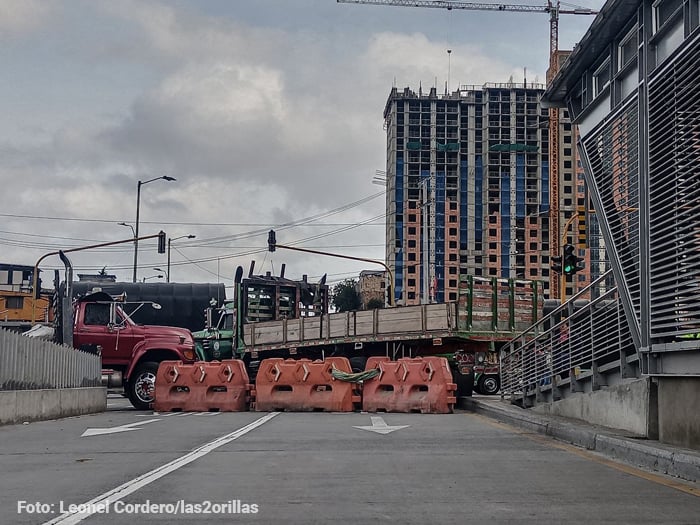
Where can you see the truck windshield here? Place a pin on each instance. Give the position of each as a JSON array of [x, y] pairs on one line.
[[225, 321]]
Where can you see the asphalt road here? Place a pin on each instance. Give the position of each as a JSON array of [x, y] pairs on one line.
[[126, 465]]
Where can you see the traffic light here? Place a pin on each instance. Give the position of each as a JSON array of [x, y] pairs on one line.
[[556, 264], [571, 262], [271, 241], [161, 241]]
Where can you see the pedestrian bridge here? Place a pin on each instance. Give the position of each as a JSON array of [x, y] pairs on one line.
[[625, 347]]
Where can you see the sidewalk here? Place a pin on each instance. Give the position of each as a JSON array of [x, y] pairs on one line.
[[616, 444]]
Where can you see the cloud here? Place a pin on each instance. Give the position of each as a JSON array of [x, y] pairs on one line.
[[261, 116], [18, 17]]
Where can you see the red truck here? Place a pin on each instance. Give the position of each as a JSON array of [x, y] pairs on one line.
[[130, 352]]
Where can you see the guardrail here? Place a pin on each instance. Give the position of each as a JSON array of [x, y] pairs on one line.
[[33, 364], [582, 345]]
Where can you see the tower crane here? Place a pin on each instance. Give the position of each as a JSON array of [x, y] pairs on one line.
[[553, 9]]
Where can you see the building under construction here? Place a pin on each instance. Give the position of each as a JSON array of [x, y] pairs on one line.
[[468, 188]]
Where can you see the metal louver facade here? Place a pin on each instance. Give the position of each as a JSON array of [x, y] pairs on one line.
[[632, 87], [674, 184]]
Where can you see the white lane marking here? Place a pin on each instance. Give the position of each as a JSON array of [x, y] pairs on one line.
[[120, 492], [380, 427], [113, 430], [179, 414]]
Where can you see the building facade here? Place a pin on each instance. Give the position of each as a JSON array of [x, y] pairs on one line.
[[631, 86], [372, 287], [468, 188]]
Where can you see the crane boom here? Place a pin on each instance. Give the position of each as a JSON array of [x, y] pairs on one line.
[[475, 6]]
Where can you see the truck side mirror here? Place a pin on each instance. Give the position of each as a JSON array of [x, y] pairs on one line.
[[112, 314], [209, 312]]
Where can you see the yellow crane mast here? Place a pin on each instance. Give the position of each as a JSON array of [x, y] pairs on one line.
[[554, 10]]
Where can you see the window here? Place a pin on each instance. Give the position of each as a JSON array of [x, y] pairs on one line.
[[663, 11], [601, 78], [14, 302], [627, 49], [411, 243], [411, 230], [97, 314]]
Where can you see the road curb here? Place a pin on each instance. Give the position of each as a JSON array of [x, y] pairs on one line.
[[639, 452]]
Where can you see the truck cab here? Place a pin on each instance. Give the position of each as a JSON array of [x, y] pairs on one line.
[[215, 342], [130, 352]]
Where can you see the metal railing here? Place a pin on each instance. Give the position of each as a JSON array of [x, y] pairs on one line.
[[580, 346], [33, 364]]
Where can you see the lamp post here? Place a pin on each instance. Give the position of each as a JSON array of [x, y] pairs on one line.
[[167, 274], [133, 232], [138, 206], [152, 277]]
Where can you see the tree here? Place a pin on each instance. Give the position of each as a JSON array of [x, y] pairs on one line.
[[375, 303], [345, 296]]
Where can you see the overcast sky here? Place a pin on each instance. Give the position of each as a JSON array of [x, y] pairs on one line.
[[267, 112]]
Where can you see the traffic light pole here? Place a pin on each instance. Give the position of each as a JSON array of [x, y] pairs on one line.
[[35, 277], [272, 244]]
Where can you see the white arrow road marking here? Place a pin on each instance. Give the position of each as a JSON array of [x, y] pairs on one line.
[[380, 427], [114, 430], [88, 508]]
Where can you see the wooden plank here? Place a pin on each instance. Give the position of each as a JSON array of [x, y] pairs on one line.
[[293, 330], [338, 325]]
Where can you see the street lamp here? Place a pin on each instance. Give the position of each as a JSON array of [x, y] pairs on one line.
[[133, 233], [167, 274], [152, 277], [138, 206]]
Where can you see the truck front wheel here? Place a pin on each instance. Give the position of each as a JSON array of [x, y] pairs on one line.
[[488, 384], [141, 386]]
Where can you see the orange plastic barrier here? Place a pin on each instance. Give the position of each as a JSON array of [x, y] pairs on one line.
[[421, 384], [304, 386], [202, 387]]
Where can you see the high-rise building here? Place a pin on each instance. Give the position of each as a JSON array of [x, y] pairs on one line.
[[468, 188]]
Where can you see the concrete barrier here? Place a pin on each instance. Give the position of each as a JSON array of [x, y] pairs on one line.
[[18, 406]]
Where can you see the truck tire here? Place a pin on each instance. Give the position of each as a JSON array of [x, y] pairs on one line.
[[488, 384], [141, 385], [464, 382], [358, 364]]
